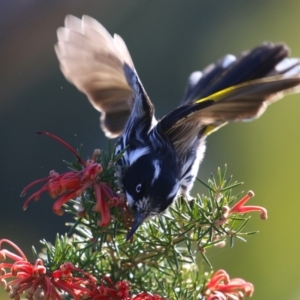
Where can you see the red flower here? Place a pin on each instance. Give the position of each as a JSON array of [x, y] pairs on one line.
[[107, 290], [79, 287], [37, 281], [40, 283], [221, 287], [25, 276], [241, 209], [72, 184]]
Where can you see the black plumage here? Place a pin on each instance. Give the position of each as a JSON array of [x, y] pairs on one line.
[[161, 158]]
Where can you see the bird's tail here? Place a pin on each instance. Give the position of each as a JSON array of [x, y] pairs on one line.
[[263, 61]]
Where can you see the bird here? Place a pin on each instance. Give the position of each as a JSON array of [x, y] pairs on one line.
[[161, 158]]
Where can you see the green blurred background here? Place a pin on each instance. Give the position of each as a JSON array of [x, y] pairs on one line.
[[167, 40]]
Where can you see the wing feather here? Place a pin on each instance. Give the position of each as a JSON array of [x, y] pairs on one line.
[[93, 61], [235, 88], [243, 102], [233, 70]]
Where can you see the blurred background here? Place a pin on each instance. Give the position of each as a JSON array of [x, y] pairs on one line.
[[167, 40]]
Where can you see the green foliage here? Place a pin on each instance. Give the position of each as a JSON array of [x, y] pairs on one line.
[[161, 257]]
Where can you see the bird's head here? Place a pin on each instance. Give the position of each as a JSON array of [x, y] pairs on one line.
[[151, 184]]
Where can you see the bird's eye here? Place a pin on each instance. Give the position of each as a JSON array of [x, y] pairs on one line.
[[138, 188]]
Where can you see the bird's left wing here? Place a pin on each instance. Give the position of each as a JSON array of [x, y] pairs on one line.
[[95, 63], [232, 89], [265, 60], [238, 103]]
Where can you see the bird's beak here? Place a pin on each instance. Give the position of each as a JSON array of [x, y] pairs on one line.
[[136, 224]]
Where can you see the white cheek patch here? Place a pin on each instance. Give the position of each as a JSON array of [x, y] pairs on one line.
[[157, 170], [136, 154], [129, 199]]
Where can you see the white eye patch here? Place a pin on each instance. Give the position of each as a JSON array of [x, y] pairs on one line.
[[138, 188]]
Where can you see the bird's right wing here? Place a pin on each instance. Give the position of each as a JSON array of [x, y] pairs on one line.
[[95, 63]]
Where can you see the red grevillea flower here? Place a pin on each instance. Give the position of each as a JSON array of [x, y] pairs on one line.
[[109, 291], [240, 208], [72, 184], [23, 275], [221, 287], [73, 281], [120, 291]]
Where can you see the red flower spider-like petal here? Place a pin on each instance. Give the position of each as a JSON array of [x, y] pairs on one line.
[[101, 206], [123, 289], [240, 208], [72, 184], [21, 275], [221, 287]]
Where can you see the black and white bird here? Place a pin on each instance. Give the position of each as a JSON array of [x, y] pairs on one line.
[[162, 157]]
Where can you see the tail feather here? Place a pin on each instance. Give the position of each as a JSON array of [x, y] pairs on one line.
[[263, 61], [242, 102]]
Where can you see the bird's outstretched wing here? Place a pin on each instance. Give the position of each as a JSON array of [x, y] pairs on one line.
[[265, 60], [241, 102], [94, 62]]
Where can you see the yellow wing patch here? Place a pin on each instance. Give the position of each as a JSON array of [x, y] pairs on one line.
[[211, 128]]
